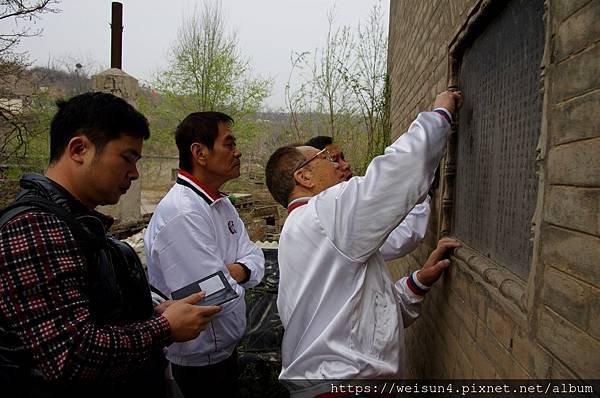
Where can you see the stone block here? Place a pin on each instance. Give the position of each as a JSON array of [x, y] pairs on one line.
[[578, 31], [506, 365], [563, 9], [575, 163], [531, 356], [478, 299], [457, 363], [560, 371], [593, 327], [573, 253], [569, 344], [575, 119], [575, 76], [461, 311], [573, 208], [566, 296], [459, 282], [482, 366], [445, 355], [424, 329], [453, 316], [501, 326]]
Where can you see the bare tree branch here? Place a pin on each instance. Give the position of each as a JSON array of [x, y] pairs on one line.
[[17, 84]]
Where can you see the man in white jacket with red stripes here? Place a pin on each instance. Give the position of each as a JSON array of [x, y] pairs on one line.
[[343, 314], [196, 231]]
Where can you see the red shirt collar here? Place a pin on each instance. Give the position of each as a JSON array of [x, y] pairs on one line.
[[296, 203], [207, 190]]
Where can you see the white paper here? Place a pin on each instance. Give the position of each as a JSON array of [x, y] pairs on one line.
[[211, 285]]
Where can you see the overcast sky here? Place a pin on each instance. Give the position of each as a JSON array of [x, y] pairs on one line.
[[268, 30]]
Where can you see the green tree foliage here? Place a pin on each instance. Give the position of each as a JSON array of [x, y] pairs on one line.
[[206, 72], [342, 91], [329, 92], [367, 78]]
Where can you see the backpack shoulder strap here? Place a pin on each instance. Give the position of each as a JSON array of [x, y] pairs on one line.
[[25, 204]]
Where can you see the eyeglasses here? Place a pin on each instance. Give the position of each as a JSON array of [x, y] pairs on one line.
[[328, 157]]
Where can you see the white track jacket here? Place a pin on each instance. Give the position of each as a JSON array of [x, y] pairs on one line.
[[192, 234], [342, 313]]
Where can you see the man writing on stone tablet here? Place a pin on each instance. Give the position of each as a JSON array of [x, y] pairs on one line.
[[343, 315]]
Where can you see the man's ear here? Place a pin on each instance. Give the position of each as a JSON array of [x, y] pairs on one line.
[[199, 152], [78, 148], [303, 178]]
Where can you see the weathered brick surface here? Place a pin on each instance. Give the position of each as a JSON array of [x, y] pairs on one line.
[[466, 328], [578, 31], [569, 344], [593, 326], [568, 297], [501, 326], [576, 119], [573, 253], [563, 9], [482, 365], [575, 76], [576, 163], [574, 208], [532, 356], [505, 364]]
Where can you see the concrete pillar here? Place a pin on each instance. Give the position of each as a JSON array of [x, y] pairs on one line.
[[119, 83]]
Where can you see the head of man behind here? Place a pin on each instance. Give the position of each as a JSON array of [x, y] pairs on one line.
[[300, 171], [95, 143], [325, 142], [207, 148]]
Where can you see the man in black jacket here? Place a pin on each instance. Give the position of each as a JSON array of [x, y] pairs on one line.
[[76, 316]]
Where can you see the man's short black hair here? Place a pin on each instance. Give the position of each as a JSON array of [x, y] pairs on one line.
[[202, 127], [319, 142], [279, 172], [101, 117]]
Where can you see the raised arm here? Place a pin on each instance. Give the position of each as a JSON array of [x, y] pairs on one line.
[[407, 236], [358, 215]]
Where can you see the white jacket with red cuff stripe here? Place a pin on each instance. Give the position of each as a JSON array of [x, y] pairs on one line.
[[343, 314]]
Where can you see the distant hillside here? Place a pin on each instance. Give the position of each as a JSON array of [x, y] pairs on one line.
[[60, 82]]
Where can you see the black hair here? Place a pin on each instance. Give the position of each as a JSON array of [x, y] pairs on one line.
[[279, 172], [202, 127], [319, 142], [101, 117]]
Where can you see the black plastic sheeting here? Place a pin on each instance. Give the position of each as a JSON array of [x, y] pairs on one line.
[[260, 348]]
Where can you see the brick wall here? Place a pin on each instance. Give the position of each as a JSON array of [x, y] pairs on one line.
[[481, 321]]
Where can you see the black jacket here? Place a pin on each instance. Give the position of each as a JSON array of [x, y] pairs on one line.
[[118, 293]]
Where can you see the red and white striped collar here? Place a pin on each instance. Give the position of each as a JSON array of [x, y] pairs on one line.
[[294, 204], [185, 178]]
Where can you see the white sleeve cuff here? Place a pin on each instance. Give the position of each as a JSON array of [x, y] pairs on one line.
[[419, 284], [445, 111]]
